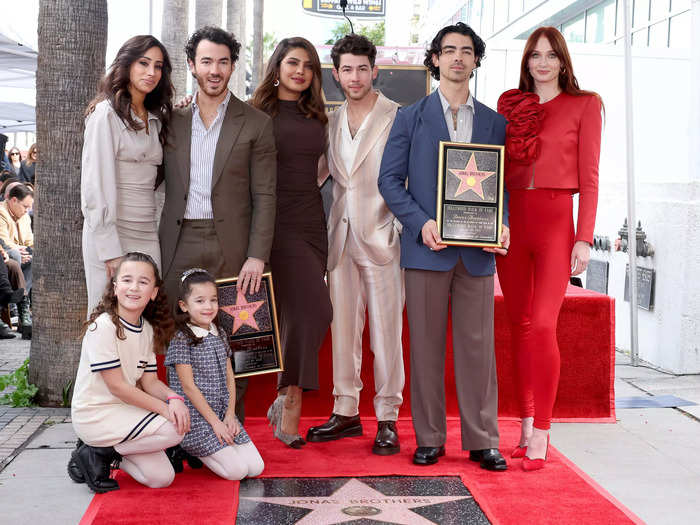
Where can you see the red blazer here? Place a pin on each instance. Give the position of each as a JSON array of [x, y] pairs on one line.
[[569, 153]]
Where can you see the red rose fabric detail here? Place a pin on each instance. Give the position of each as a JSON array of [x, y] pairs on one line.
[[524, 114]]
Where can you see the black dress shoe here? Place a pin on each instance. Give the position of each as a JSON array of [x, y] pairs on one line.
[[94, 464], [73, 469], [336, 427], [489, 458], [428, 455], [386, 442]]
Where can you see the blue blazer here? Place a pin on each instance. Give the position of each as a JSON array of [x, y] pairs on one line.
[[411, 153]]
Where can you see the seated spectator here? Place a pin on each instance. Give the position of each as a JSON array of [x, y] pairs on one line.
[[15, 227], [6, 175], [26, 171], [4, 161], [15, 160], [13, 290]]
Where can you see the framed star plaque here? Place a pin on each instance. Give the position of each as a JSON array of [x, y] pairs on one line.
[[470, 194], [250, 322]]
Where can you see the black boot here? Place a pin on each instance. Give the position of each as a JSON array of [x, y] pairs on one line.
[[74, 472], [25, 318], [6, 332], [94, 464], [177, 455]]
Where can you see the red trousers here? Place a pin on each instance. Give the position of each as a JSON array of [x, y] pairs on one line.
[[534, 276]]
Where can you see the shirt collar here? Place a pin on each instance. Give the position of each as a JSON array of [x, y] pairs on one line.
[[222, 107], [446, 104], [198, 331]]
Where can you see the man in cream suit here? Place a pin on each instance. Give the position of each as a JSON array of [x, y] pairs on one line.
[[363, 252]]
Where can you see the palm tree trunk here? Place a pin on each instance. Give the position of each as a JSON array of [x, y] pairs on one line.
[[257, 43], [235, 22], [175, 15], [72, 46], [208, 13]]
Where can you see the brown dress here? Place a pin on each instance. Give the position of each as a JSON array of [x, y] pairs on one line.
[[300, 247]]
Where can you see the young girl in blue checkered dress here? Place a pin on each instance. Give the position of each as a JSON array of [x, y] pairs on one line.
[[199, 369]]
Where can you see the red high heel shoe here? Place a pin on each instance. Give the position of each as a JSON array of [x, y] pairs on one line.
[[519, 452], [535, 464]]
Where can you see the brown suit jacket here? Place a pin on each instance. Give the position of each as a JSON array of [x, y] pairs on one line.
[[243, 184], [356, 194]]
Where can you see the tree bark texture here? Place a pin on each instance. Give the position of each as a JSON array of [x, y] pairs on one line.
[[257, 43], [208, 13], [72, 46], [235, 23], [174, 36]]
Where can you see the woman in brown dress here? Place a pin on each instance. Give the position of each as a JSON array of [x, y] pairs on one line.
[[291, 94]]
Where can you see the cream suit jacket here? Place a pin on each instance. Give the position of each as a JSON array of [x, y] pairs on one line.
[[356, 198]]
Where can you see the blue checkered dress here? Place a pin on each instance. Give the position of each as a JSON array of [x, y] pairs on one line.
[[208, 362]]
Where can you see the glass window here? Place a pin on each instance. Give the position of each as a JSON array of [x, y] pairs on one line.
[[679, 32], [575, 30], [500, 15], [658, 34], [639, 38], [677, 5], [641, 13], [600, 23], [515, 9], [659, 9]]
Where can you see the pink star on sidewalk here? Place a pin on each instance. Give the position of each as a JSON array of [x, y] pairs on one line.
[[470, 178]]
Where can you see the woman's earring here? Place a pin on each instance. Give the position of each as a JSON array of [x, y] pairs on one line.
[[276, 82]]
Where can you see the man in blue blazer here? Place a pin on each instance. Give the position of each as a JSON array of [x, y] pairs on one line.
[[435, 272]]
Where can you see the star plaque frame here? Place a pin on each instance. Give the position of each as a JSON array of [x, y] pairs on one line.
[[250, 323], [470, 194]]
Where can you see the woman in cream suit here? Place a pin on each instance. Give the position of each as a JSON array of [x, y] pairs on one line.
[[125, 129]]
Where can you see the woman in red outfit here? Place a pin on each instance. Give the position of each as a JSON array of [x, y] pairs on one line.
[[552, 152]]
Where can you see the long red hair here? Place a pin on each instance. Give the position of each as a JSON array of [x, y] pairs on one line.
[[567, 79]]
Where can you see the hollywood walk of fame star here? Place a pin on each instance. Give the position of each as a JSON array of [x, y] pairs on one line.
[[470, 178], [356, 500], [243, 312]]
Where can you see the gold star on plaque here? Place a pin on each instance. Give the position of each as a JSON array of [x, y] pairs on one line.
[[470, 178]]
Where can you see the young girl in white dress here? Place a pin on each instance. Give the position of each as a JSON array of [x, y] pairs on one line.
[[120, 409], [199, 368]]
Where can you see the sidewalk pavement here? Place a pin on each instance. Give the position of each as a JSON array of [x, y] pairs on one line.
[[648, 460]]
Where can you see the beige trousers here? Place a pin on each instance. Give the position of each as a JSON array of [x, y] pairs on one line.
[[356, 285]]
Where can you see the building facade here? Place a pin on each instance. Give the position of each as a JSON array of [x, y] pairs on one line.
[[666, 126]]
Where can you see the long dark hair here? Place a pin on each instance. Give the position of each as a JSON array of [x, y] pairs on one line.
[[114, 86], [157, 312], [567, 80], [190, 278], [311, 100]]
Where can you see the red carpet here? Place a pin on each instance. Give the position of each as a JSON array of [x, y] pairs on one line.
[[586, 333], [560, 493]]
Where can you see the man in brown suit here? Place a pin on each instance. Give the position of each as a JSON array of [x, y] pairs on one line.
[[220, 176]]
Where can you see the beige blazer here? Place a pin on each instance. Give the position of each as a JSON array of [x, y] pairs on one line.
[[355, 194], [243, 187], [15, 233]]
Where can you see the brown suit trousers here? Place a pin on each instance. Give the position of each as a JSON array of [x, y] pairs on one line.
[[428, 294]]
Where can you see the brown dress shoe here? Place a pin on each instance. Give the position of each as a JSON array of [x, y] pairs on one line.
[[387, 441], [336, 427]]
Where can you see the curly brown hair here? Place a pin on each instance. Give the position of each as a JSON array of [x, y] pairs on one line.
[[311, 100], [157, 312]]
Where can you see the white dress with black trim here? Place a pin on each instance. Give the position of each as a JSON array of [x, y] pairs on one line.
[[99, 418]]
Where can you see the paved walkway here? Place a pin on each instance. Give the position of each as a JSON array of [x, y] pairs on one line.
[[648, 460]]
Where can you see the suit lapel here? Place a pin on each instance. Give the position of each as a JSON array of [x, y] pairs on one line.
[[433, 117], [482, 124], [230, 129], [185, 146], [337, 131], [377, 120]]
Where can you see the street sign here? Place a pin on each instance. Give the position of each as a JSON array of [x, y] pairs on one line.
[[356, 8]]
